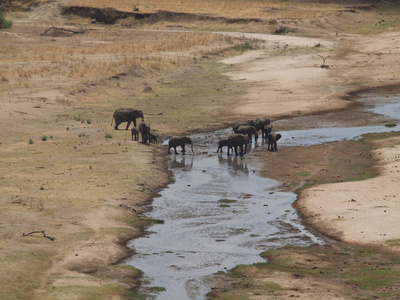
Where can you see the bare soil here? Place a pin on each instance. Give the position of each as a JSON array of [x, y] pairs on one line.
[[66, 171]]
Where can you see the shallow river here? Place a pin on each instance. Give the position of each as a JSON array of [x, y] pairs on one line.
[[219, 213]]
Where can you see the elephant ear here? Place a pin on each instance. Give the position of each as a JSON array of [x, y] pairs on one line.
[[278, 136]]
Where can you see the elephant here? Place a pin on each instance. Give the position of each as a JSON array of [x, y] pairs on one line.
[[222, 143], [153, 137], [260, 123], [272, 141], [248, 122], [126, 115], [179, 141], [236, 140], [144, 130], [249, 130], [267, 130], [135, 132]]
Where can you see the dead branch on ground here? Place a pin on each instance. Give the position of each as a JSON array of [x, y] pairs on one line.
[[39, 231], [323, 61]]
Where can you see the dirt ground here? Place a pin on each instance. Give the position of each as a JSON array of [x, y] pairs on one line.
[[64, 169]]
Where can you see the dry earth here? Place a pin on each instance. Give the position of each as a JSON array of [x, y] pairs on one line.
[[63, 169]]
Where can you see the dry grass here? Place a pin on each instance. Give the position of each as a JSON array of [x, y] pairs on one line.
[[102, 54]]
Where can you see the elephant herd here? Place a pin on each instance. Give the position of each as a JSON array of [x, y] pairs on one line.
[[130, 115], [244, 132], [237, 141]]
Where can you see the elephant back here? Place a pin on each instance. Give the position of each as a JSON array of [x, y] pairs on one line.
[[122, 111], [246, 129]]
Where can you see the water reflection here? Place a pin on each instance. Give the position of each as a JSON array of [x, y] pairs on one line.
[[181, 162]]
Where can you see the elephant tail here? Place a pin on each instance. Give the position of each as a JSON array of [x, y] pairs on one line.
[[192, 148], [112, 119]]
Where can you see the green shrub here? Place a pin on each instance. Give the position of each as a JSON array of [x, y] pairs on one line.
[[4, 23], [244, 47]]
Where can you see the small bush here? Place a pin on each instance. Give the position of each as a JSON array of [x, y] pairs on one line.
[[44, 138], [30, 141], [4, 23], [244, 47], [108, 136]]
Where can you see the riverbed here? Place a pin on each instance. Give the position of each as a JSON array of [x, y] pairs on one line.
[[219, 212]]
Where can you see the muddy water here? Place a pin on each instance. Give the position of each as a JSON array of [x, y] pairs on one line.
[[219, 213]]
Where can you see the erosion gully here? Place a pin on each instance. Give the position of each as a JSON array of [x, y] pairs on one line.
[[219, 213]]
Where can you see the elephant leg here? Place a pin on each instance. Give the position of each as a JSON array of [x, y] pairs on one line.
[[249, 137], [134, 121], [176, 152], [127, 126], [117, 122], [183, 149], [236, 150]]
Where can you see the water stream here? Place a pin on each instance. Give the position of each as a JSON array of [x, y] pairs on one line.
[[219, 213]]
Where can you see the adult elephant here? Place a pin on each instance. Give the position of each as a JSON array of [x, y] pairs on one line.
[[236, 140], [179, 141], [248, 122], [247, 130], [272, 141], [222, 143], [126, 115], [260, 123], [144, 129]]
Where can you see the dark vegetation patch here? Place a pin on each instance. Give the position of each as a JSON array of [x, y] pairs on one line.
[[111, 16], [102, 15]]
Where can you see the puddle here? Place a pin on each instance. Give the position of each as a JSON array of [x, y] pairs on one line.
[[218, 213]]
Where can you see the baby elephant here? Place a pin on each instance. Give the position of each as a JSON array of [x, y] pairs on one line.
[[222, 143], [267, 130], [272, 141], [179, 141], [153, 137], [135, 132]]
